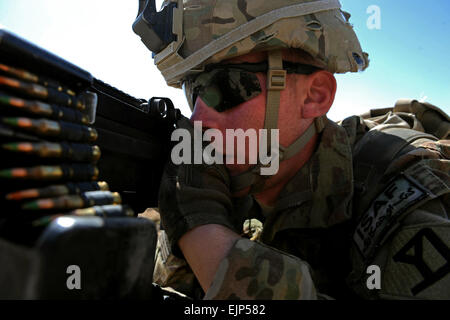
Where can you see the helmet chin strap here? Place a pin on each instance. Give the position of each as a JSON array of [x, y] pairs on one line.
[[276, 82]]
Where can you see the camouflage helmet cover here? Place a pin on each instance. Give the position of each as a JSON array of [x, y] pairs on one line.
[[317, 27]]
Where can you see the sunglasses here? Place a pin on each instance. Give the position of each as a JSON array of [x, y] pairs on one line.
[[223, 87]]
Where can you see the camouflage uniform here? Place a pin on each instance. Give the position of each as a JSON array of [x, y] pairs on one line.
[[311, 230], [366, 197], [319, 28]]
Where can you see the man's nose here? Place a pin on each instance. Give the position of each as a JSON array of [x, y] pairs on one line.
[[210, 118]]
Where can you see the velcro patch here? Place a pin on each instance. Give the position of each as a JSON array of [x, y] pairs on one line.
[[401, 194], [419, 263]]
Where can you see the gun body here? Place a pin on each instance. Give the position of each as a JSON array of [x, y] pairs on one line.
[[134, 146], [73, 147], [134, 142]]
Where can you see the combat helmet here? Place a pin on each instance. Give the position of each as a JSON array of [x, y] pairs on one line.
[[188, 35], [200, 32]]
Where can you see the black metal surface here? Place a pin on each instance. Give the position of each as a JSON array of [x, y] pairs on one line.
[[133, 134], [115, 257], [155, 28]]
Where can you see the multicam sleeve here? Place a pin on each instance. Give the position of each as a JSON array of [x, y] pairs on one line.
[[418, 258], [253, 271], [406, 231]]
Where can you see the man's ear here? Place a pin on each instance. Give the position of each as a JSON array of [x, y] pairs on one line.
[[320, 93]]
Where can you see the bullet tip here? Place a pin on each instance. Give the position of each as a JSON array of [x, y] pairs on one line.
[[6, 173], [33, 205], [10, 146], [10, 121]]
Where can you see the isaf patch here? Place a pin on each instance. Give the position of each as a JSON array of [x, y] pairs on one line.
[[401, 194]]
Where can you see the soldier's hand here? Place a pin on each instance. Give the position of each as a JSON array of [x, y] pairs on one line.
[[193, 195]]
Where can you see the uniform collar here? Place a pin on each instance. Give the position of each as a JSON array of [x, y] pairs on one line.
[[320, 194]]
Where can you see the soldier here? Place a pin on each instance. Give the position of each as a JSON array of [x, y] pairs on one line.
[[357, 209]]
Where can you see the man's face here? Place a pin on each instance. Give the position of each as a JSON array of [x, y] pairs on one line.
[[251, 114], [247, 115]]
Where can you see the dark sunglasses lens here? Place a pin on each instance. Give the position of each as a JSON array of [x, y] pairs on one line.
[[226, 89]]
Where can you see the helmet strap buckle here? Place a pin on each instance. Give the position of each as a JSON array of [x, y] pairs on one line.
[[276, 80]]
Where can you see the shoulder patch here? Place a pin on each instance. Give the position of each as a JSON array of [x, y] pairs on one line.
[[401, 194], [419, 264], [405, 192]]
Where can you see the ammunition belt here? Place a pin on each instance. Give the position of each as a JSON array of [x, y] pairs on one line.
[[49, 155]]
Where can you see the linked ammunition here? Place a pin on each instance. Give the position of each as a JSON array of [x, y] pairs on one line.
[[22, 74], [75, 172], [45, 221], [66, 151], [58, 190], [70, 202], [108, 211], [28, 76], [101, 198], [43, 109], [10, 134], [48, 128], [38, 91]]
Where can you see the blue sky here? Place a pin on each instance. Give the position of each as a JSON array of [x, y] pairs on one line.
[[409, 53]]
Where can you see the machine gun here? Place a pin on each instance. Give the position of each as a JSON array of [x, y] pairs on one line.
[[80, 159]]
